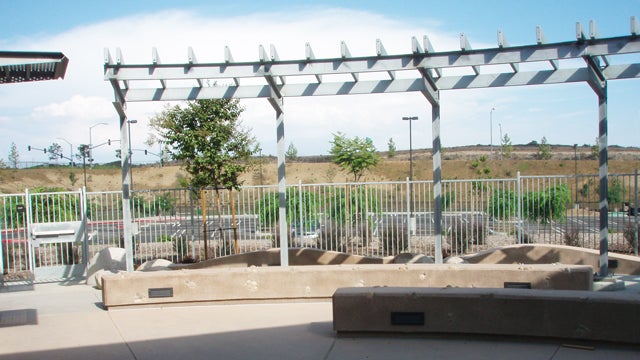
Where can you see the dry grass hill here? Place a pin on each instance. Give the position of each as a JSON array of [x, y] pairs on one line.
[[458, 163]]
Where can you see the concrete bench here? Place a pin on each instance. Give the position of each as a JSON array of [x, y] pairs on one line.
[[581, 315]]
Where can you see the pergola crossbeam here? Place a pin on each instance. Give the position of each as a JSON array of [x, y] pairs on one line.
[[543, 77]]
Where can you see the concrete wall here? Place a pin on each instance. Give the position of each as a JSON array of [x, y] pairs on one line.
[[313, 282], [297, 257], [553, 254]]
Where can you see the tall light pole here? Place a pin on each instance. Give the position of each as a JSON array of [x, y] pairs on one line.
[[129, 122], [70, 149], [410, 119], [491, 133], [412, 219], [501, 143], [575, 162], [91, 143]]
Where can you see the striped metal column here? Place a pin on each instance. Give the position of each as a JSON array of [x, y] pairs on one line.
[[598, 83], [127, 218], [432, 94], [603, 172], [277, 103], [437, 179]]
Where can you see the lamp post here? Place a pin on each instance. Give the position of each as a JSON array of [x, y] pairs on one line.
[[70, 149], [501, 143], [491, 133], [129, 122], [410, 119], [91, 143], [412, 219], [575, 162]]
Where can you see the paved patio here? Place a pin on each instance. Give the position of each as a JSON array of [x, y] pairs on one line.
[[67, 321]]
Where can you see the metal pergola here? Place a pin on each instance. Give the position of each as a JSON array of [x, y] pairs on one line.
[[25, 66], [423, 70]]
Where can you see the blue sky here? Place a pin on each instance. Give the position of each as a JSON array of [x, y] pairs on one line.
[[38, 114]]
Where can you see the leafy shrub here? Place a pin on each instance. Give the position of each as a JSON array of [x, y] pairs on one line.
[[503, 204], [361, 202], [462, 235], [332, 237], [548, 204], [629, 233], [448, 198], [572, 237], [394, 238], [615, 192], [297, 202], [180, 245]]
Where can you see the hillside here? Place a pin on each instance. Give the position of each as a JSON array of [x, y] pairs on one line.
[[458, 163]]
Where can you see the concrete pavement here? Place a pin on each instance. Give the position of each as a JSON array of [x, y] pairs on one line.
[[67, 321]]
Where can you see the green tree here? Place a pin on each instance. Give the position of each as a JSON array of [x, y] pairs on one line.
[[615, 192], [14, 156], [354, 155], [595, 150], [392, 148], [292, 152], [208, 138], [55, 151], [83, 152], [544, 150], [507, 147]]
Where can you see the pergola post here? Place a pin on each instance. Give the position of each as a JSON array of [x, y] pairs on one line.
[[437, 180], [432, 94], [597, 81], [127, 219], [277, 102]]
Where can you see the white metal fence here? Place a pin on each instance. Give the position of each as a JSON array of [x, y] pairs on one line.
[[374, 219]]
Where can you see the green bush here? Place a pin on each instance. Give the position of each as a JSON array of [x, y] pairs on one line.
[[362, 201], [297, 202], [572, 237], [503, 204], [394, 238], [462, 235], [549, 204], [629, 233]]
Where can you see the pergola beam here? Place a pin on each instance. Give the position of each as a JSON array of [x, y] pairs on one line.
[[543, 77]]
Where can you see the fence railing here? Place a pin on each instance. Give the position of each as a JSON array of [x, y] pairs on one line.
[[373, 219]]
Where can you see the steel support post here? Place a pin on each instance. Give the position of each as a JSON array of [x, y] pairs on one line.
[[597, 81], [282, 182], [603, 263], [437, 179], [127, 220], [433, 96]]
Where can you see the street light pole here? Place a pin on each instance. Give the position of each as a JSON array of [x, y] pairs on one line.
[[129, 122], [90, 143], [575, 162], [501, 143], [70, 149], [410, 119], [412, 220], [491, 133]]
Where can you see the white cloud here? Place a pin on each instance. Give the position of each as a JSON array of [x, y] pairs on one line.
[[38, 113]]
